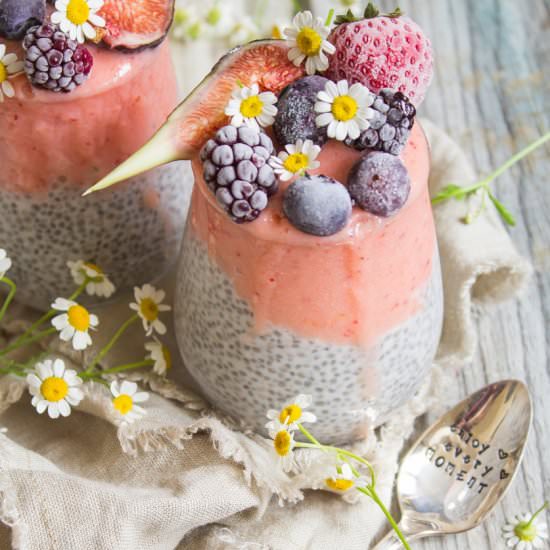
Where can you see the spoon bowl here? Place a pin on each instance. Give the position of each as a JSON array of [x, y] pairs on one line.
[[461, 466]]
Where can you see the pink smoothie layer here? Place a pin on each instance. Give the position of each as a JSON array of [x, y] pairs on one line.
[[349, 288], [81, 136]]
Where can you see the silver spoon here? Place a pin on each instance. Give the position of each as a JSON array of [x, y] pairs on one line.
[[460, 467]]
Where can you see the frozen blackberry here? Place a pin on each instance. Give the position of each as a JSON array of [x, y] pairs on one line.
[[390, 126], [54, 61], [235, 168]]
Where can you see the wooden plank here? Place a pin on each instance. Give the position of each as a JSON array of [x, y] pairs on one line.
[[491, 93]]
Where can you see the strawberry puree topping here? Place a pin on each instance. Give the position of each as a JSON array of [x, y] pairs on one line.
[[80, 136], [350, 288]]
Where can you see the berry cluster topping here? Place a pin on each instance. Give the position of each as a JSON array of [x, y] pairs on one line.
[[389, 125], [236, 168], [379, 183], [54, 61]]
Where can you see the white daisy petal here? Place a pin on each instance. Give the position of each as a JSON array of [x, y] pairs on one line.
[[2, 51], [41, 406], [8, 88], [128, 388]]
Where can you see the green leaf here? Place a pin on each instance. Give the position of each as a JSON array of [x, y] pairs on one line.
[[347, 18], [448, 192], [371, 11], [505, 214], [395, 13]]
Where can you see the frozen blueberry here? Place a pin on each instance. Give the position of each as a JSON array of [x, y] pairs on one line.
[[318, 205], [17, 16], [379, 183], [227, 135], [296, 114]]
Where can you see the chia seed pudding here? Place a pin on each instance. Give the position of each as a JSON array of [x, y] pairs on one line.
[[53, 146], [133, 232], [244, 373]]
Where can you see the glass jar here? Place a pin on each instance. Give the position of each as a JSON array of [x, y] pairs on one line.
[[264, 312], [53, 146]]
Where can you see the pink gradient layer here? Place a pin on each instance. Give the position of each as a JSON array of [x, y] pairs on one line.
[[83, 135], [349, 288]]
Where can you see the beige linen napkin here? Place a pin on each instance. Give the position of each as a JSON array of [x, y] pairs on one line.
[[186, 477]]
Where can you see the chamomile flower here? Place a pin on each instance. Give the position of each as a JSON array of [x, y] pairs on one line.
[[125, 397], [291, 414], [5, 262], [149, 305], [54, 388], [78, 18], [9, 67], [161, 355], [343, 479], [219, 19], [98, 285], [297, 159], [249, 106], [526, 531], [244, 30], [344, 109], [307, 41], [74, 323], [283, 442]]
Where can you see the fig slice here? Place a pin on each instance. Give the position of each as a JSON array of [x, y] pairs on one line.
[[201, 113], [136, 24]]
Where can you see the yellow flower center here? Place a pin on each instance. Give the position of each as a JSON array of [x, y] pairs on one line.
[[78, 11], [79, 318], [99, 276], [344, 107], [282, 443], [290, 414], [123, 403], [276, 32], [54, 389], [167, 357], [3, 72], [149, 309], [309, 41], [524, 532], [339, 484], [251, 107], [296, 162]]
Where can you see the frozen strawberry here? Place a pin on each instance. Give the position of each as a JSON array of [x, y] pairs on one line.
[[382, 51], [136, 24]]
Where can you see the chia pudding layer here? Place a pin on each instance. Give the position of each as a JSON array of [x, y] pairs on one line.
[[133, 232], [53, 146], [245, 373]]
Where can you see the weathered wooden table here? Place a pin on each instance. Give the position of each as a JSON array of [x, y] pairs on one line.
[[491, 92]]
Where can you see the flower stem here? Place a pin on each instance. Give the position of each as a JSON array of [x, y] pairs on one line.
[[341, 452], [516, 158], [370, 491], [121, 368], [534, 516], [9, 298], [330, 15], [50, 313], [28, 340], [111, 343]]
